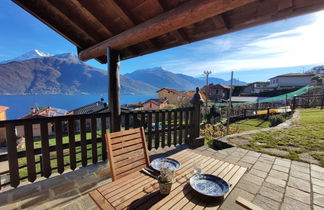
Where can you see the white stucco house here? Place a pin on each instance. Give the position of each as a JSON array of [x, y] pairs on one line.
[[291, 80]]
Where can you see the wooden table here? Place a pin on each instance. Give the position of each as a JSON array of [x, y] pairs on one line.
[[141, 191]]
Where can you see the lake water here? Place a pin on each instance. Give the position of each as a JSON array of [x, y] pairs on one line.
[[19, 105]]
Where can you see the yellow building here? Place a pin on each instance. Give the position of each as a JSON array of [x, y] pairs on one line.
[[3, 110], [3, 116]]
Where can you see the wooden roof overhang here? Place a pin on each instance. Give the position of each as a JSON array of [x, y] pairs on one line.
[[138, 27]]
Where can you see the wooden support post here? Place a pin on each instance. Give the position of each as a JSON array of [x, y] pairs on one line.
[[197, 101], [268, 113], [113, 59], [294, 102]]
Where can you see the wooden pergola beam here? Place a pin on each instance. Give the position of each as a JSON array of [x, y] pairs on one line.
[[184, 15], [113, 59]]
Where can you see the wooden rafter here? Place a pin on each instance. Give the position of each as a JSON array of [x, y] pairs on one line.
[[186, 14], [132, 20]]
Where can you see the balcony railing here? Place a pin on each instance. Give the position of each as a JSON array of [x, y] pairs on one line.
[[66, 142]]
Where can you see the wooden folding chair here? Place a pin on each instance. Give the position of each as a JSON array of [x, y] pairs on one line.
[[127, 152]]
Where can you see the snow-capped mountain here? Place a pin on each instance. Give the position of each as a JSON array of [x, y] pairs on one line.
[[29, 55]]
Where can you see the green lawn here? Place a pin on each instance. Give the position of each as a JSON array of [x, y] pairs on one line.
[[251, 124], [65, 139], [304, 141]]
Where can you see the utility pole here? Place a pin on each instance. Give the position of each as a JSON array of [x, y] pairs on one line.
[[229, 105], [207, 73]]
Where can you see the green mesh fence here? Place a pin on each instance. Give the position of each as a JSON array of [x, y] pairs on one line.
[[283, 97]]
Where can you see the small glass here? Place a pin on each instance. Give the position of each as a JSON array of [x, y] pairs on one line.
[[197, 167]]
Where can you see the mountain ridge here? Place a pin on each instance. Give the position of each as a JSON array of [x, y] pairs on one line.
[[44, 73], [61, 75]]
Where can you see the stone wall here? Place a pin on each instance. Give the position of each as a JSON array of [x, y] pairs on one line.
[[54, 191]]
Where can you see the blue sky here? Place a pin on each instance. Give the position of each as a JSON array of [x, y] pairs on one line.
[[254, 54]]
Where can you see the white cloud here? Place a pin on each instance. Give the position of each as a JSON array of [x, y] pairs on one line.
[[303, 45]]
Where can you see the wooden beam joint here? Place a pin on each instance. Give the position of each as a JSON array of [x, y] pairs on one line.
[[186, 14]]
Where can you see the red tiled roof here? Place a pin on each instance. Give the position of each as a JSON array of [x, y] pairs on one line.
[[168, 89]]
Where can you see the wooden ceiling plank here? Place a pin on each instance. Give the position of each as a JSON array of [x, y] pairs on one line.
[[73, 11], [79, 38], [186, 14], [93, 20], [131, 20], [220, 21]]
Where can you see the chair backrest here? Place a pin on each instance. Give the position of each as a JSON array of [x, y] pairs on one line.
[[127, 152]]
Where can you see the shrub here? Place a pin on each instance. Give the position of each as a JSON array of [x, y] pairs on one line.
[[276, 120], [218, 130]]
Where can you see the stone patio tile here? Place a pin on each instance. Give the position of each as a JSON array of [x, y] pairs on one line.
[[282, 162], [299, 184], [276, 181], [274, 187], [35, 200], [249, 159], [14, 205], [242, 151], [281, 168], [217, 155], [298, 195], [318, 199], [265, 161], [252, 178], [300, 169], [291, 204], [318, 182], [230, 204], [262, 166], [258, 173], [317, 175], [300, 175], [253, 154], [230, 150], [266, 203], [248, 186], [233, 159], [318, 189], [63, 188], [270, 193], [70, 206], [317, 207], [269, 157], [62, 199], [317, 168], [244, 164], [278, 174], [299, 163], [86, 202], [26, 191]]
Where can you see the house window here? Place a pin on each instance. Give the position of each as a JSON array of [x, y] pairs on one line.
[[216, 91]]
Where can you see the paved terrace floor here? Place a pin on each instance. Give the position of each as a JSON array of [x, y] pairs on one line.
[[270, 182]]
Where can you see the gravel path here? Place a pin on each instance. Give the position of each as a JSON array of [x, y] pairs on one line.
[[287, 124]]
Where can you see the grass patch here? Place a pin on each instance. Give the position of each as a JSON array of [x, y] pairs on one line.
[[251, 124], [306, 136]]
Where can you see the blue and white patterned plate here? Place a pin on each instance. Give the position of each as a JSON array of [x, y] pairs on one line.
[[172, 163], [209, 185]]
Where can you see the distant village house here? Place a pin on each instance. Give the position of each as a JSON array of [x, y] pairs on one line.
[[256, 87], [37, 112], [217, 93], [292, 80], [153, 104], [3, 116], [178, 98]]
